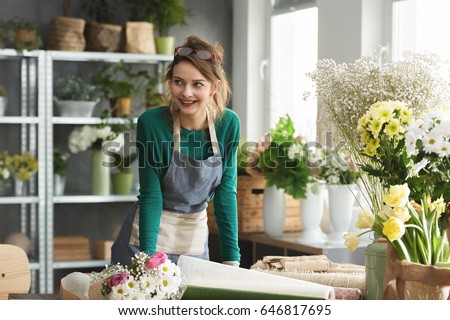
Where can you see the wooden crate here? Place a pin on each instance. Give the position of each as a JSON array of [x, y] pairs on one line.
[[250, 197], [71, 248]]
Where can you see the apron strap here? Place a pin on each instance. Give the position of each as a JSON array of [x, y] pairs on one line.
[[177, 134]]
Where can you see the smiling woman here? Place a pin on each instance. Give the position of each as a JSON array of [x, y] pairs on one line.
[[187, 156]]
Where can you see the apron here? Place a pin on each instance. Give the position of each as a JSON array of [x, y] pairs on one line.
[[186, 189]]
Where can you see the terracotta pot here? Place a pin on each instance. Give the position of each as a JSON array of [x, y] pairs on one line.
[[121, 106]]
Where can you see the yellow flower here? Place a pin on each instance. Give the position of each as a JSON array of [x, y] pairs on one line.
[[384, 112], [401, 213], [365, 136], [394, 229], [375, 127], [363, 122], [365, 220], [393, 128], [438, 205], [405, 116], [397, 196], [384, 213], [351, 240]]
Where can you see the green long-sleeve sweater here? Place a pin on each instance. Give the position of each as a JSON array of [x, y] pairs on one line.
[[154, 141]]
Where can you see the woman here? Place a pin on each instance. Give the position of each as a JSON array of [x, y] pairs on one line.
[[187, 155]]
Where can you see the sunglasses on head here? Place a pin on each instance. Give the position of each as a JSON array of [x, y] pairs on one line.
[[201, 54]]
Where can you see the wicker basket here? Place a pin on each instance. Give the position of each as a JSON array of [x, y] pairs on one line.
[[139, 38], [103, 37], [67, 34]]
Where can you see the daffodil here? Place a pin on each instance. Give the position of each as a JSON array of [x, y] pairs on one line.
[[365, 220], [397, 196], [351, 241]]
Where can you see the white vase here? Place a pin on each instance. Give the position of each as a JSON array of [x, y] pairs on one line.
[[3, 102], [341, 198], [311, 213], [59, 183], [19, 188], [72, 108], [274, 211]]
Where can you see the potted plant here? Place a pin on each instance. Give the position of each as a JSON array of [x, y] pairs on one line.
[[75, 98], [152, 95], [164, 14], [26, 34], [3, 101], [23, 166], [5, 174], [119, 84], [60, 167], [66, 33], [122, 179], [139, 29], [5, 34], [102, 35]]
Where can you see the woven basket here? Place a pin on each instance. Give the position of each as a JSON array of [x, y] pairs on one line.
[[139, 38], [103, 37], [66, 34]]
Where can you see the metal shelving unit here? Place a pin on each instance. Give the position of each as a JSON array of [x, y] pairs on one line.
[[51, 121], [31, 120]]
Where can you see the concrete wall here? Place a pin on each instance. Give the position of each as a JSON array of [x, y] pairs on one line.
[[212, 20]]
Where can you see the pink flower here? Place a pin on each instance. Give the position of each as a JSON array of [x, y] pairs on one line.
[[116, 279], [156, 260]]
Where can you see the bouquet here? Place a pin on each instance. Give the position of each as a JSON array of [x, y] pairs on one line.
[[149, 277], [284, 160], [340, 168], [60, 162], [22, 165], [5, 174], [416, 231], [428, 145], [83, 138]]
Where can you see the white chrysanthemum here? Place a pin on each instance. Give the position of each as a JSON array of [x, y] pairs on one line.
[[149, 284], [432, 142], [122, 291], [417, 167], [169, 285], [137, 295]]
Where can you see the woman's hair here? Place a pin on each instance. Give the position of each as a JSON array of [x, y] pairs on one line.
[[212, 70]]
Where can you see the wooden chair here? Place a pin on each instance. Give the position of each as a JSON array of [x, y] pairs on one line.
[[15, 276]]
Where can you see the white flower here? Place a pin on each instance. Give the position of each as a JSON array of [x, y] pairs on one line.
[[5, 173], [417, 167], [295, 151]]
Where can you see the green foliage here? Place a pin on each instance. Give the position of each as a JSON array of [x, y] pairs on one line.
[[281, 166], [98, 10], [164, 14], [118, 80], [60, 162], [72, 87]]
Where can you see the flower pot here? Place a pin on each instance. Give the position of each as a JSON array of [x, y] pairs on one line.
[[121, 106], [66, 34], [122, 182], [274, 211], [103, 37], [341, 198], [413, 281], [165, 45], [25, 39], [71, 108], [139, 37], [20, 188], [3, 103], [311, 213]]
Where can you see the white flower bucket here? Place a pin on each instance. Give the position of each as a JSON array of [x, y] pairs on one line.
[[72, 108], [3, 101]]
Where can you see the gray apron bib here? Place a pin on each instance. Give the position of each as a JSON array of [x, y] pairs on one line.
[[186, 189]]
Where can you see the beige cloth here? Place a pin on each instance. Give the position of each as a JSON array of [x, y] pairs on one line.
[[316, 268]]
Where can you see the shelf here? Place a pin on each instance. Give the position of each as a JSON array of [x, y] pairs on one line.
[[19, 200], [108, 57], [89, 120], [12, 53], [94, 199], [34, 265], [19, 120], [80, 264]]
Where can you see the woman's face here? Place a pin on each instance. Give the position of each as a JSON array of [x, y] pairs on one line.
[[190, 89]]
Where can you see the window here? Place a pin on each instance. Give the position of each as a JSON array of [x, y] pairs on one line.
[[421, 25], [293, 52]]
